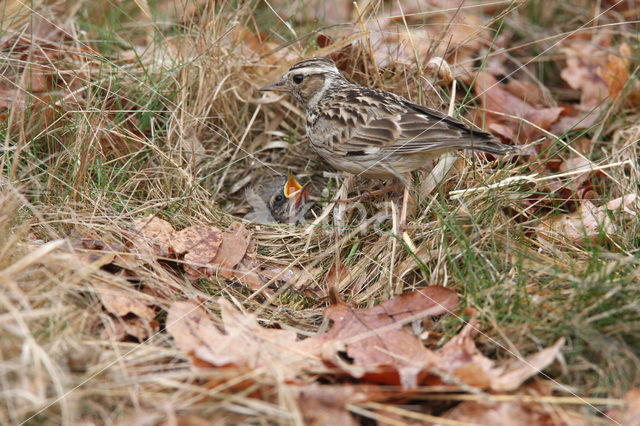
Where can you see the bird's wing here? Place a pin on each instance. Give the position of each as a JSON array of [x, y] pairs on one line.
[[386, 124]]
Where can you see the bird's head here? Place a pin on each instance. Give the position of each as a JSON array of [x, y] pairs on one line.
[[307, 80], [289, 203]]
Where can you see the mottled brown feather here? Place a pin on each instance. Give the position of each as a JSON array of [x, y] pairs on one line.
[[373, 132]]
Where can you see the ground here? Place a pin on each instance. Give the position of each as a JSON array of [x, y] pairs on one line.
[[132, 291]]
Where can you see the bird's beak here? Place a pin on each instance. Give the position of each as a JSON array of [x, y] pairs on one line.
[[291, 187], [278, 86], [302, 196]]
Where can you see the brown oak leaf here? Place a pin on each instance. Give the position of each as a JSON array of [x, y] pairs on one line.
[[154, 233], [232, 249], [376, 344], [199, 244], [240, 342]]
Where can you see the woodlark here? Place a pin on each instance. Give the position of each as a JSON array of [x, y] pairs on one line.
[[370, 132]]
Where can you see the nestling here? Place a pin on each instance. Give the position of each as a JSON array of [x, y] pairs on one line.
[[371, 132], [275, 201]]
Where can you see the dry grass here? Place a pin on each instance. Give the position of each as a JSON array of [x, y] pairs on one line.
[[161, 116]]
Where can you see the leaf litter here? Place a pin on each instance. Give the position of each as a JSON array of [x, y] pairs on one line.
[[366, 351], [368, 344]]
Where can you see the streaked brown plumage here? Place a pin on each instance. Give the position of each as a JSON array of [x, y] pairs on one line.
[[371, 132]]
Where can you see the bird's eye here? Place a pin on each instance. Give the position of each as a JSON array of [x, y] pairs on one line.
[[279, 198], [297, 79]]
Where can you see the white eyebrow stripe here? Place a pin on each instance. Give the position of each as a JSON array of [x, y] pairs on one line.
[[310, 70]]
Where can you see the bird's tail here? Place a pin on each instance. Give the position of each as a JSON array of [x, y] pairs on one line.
[[485, 142]]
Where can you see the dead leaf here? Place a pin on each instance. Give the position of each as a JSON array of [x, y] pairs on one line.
[[333, 279], [630, 415], [500, 104], [232, 249], [577, 164], [334, 12], [93, 250], [529, 92], [615, 72], [574, 118], [518, 370], [35, 79], [461, 358], [195, 334], [117, 139], [505, 132], [586, 223], [120, 328], [585, 53], [581, 74], [107, 254], [595, 74], [246, 273], [155, 233], [191, 238], [374, 340], [199, 244], [594, 71], [463, 35], [369, 344], [327, 405], [243, 343], [378, 350], [628, 203], [499, 413], [205, 249], [255, 274], [121, 305]]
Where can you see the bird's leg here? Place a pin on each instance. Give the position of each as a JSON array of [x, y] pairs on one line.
[[403, 211], [406, 197], [437, 174], [340, 212]]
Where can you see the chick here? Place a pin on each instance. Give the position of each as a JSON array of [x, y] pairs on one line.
[[275, 201]]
